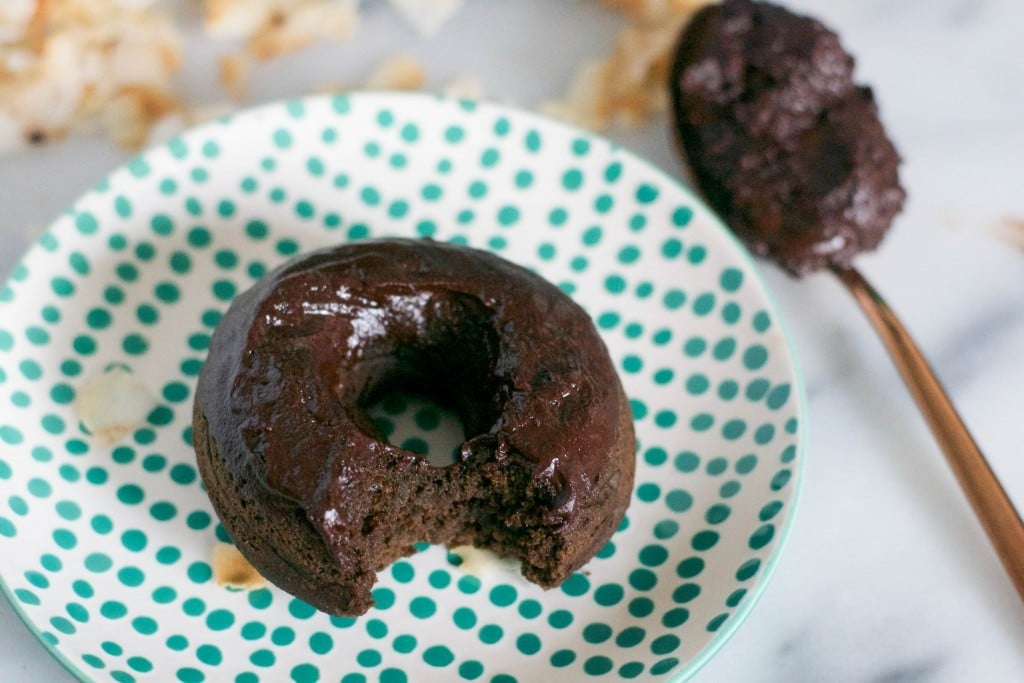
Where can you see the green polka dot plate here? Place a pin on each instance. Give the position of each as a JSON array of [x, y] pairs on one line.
[[107, 538]]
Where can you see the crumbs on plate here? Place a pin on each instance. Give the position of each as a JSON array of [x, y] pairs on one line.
[[72, 67]]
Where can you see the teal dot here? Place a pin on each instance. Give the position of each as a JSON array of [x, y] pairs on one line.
[[62, 286], [177, 643], [369, 658], [598, 665], [572, 179], [724, 348], [748, 569], [653, 555], [123, 207], [769, 510], [734, 429], [454, 134], [755, 357], [37, 336], [226, 208], [68, 510], [39, 488], [164, 595], [77, 260], [671, 248], [490, 157], [199, 237], [503, 595], [491, 634], [469, 584], [86, 223], [438, 656], [717, 622], [665, 419], [778, 396], [757, 389], [422, 607], [704, 303], [528, 644], [282, 635], [762, 536], [761, 321], [637, 222], [632, 364], [697, 255], [11, 435], [638, 408], [731, 279], [321, 643], [615, 284], [393, 676], [167, 292], [645, 193], [209, 654], [533, 141], [282, 138], [629, 254], [674, 299], [576, 585], [679, 500], [666, 529], [98, 562], [764, 434], [193, 607], [592, 236], [96, 475], [30, 369], [50, 562], [508, 215]]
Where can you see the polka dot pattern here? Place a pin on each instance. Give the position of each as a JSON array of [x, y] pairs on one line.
[[106, 549]]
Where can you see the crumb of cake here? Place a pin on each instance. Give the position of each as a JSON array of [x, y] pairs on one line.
[[626, 88], [482, 563], [275, 27], [1011, 230], [234, 74], [77, 65], [114, 404], [427, 16], [232, 570], [400, 72], [464, 88], [655, 11]]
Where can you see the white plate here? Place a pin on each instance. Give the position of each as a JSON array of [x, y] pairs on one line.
[[105, 551]]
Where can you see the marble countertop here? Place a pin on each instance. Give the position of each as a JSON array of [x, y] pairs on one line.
[[887, 576]]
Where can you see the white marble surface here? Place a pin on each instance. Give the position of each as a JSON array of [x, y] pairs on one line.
[[887, 576]]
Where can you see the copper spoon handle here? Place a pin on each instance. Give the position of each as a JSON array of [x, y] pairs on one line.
[[993, 507]]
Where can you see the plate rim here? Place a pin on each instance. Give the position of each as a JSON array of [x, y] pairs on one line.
[[743, 255]]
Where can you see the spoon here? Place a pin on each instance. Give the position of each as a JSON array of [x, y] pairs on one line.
[[986, 495], [792, 154]]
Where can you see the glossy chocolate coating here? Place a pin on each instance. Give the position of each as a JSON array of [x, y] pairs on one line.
[[784, 146], [298, 358]]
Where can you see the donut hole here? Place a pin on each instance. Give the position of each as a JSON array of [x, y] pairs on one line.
[[417, 423], [434, 386]]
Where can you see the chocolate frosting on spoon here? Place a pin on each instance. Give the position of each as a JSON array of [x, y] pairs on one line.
[[783, 144]]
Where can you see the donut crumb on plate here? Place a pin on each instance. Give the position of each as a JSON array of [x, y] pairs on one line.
[[232, 570]]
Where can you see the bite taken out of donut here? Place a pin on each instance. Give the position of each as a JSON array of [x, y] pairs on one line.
[[310, 489]]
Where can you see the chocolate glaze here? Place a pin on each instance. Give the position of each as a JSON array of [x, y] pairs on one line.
[[783, 144], [297, 359]]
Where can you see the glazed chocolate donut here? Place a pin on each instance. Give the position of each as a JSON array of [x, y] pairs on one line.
[[313, 494]]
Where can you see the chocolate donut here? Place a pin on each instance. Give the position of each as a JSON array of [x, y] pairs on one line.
[[314, 495]]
